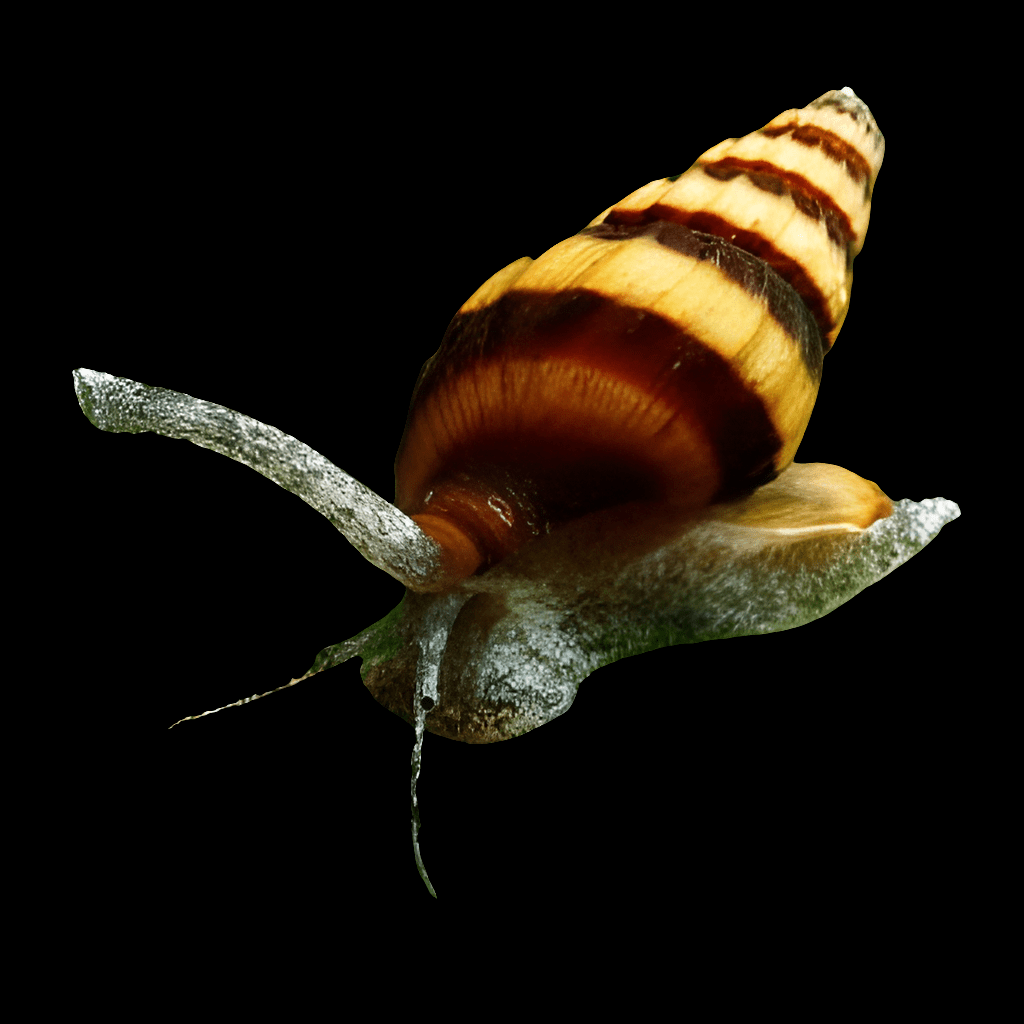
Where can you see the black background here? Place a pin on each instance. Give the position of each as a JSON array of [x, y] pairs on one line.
[[290, 240]]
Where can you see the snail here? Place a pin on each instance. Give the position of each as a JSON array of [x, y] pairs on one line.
[[599, 458]]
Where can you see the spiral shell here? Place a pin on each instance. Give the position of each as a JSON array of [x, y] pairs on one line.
[[670, 352]]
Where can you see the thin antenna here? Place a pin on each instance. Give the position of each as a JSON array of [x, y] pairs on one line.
[[239, 703]]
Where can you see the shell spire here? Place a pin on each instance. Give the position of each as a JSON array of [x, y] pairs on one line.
[[796, 193]]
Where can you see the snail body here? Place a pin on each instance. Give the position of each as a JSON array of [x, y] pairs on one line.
[[668, 355], [598, 460]]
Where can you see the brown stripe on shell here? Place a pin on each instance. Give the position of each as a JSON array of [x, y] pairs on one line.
[[753, 271], [810, 200], [834, 147], [577, 327], [750, 241]]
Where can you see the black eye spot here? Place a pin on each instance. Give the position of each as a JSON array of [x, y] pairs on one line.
[[426, 703]]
